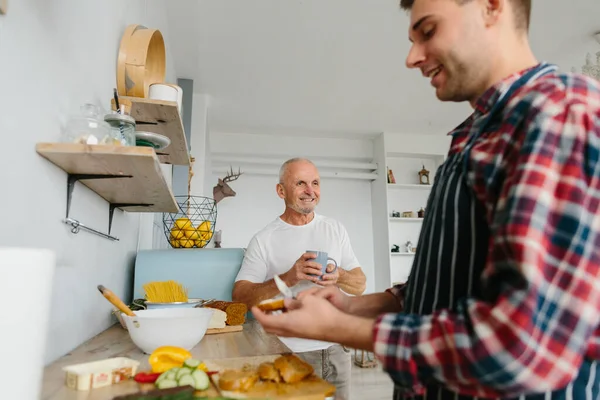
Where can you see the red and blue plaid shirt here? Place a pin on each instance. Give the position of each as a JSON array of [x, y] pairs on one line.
[[544, 221]]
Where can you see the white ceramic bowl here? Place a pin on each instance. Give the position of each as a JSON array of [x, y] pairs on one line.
[[181, 327]]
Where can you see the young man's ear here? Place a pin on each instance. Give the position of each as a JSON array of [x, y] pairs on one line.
[[492, 10]]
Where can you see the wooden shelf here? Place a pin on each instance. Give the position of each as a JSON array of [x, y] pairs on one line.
[[396, 219], [408, 186], [147, 184], [403, 253], [160, 117]]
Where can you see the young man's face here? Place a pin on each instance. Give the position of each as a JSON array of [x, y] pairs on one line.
[[450, 47]]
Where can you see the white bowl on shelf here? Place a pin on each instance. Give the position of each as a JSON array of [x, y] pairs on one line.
[[181, 327]]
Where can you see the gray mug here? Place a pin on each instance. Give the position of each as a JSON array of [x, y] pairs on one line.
[[322, 259]]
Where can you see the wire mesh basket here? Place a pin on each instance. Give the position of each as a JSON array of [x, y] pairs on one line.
[[193, 225]]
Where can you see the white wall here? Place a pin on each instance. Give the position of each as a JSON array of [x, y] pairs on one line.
[[55, 55], [256, 203]]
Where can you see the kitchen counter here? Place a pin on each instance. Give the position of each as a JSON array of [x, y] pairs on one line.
[[115, 342]]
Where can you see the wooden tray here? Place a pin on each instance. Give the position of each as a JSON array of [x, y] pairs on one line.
[[313, 388], [227, 329]]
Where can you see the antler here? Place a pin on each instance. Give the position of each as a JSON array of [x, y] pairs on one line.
[[232, 176]]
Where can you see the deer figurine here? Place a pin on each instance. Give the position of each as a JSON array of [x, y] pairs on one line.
[[222, 189]]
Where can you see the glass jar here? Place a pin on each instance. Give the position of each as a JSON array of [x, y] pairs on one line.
[[123, 127], [89, 128]]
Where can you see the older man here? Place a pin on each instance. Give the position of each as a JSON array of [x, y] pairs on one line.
[[281, 248], [503, 300]]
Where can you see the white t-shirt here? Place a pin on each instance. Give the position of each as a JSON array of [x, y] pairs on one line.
[[275, 249]]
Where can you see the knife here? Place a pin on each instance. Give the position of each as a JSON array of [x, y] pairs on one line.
[[283, 288]]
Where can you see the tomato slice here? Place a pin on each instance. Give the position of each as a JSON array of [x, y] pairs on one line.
[[144, 377]]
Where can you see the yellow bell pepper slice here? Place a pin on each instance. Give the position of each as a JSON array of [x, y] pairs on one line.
[[166, 357]]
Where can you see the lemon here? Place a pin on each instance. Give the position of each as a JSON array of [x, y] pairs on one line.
[[177, 233], [200, 243], [206, 235], [183, 223], [192, 234], [204, 229], [186, 243], [174, 242], [204, 226]]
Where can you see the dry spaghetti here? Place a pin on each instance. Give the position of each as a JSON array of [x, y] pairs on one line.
[[165, 292]]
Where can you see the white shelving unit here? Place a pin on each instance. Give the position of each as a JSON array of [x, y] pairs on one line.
[[407, 194], [405, 219], [392, 186]]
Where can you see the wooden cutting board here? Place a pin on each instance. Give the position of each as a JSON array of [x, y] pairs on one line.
[[310, 389], [227, 329]]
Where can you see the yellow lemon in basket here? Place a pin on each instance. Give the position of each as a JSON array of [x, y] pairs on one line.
[[186, 243], [192, 234], [177, 233], [174, 243], [200, 243], [206, 235], [183, 223], [204, 229]]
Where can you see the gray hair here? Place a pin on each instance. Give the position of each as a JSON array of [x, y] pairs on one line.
[[285, 165]]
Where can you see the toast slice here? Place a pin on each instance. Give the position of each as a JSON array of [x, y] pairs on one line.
[[271, 305], [268, 372], [237, 380], [292, 368]]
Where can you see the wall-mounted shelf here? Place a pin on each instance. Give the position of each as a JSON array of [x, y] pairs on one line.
[[160, 117], [402, 253], [399, 219], [129, 178], [408, 186]]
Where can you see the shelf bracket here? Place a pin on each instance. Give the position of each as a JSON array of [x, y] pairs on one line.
[[112, 207], [71, 180]]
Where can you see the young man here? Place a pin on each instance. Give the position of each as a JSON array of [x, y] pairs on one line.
[[503, 300], [284, 248]]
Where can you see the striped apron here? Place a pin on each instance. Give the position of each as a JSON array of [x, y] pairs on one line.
[[452, 252]]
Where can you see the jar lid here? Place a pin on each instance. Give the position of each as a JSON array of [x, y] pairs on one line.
[[119, 118]]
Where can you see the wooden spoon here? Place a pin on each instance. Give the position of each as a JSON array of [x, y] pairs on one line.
[[115, 300]]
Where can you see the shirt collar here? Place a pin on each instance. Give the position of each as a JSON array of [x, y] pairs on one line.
[[492, 94]]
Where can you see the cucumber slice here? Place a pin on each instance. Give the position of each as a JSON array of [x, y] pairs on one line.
[[162, 376], [186, 380], [201, 380], [191, 363], [182, 372], [172, 373], [166, 384]]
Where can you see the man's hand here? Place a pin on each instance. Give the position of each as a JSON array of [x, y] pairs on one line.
[[331, 277], [301, 270], [332, 294], [312, 317]]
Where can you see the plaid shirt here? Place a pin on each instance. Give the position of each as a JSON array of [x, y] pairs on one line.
[[544, 219]]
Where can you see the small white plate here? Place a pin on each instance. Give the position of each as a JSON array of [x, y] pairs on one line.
[[159, 141]]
